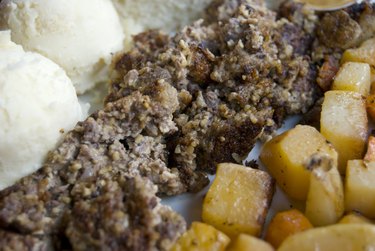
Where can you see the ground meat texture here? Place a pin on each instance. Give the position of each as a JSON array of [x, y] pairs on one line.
[[364, 14], [238, 75], [11, 241], [338, 29], [122, 140], [126, 216], [312, 117], [348, 27]]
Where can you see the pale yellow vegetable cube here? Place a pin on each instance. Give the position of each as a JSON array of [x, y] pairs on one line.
[[238, 200], [286, 156], [201, 236], [354, 218], [360, 187], [353, 76], [325, 200], [365, 53], [344, 123], [246, 242], [342, 237]]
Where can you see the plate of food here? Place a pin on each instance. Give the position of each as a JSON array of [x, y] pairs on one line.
[[171, 125]]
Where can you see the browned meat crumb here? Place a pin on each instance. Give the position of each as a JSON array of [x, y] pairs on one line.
[[312, 117], [14, 242], [327, 72], [238, 76], [339, 30], [126, 218], [364, 15]]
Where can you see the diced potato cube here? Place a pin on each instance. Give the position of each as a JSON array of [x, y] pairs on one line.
[[325, 200], [343, 237], [246, 242], [353, 76], [365, 53], [238, 200], [286, 156], [201, 236], [344, 123], [360, 187], [285, 224], [354, 218]]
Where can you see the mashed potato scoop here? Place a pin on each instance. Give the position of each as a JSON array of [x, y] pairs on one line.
[[80, 36], [37, 104]]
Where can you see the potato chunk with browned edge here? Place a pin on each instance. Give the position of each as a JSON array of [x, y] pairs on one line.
[[365, 53], [201, 236], [325, 200], [238, 200], [342, 237], [353, 76], [246, 242], [354, 218], [360, 187], [344, 123], [286, 156]]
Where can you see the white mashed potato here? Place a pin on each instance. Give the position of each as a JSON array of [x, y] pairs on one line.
[[168, 15], [37, 103], [80, 36]]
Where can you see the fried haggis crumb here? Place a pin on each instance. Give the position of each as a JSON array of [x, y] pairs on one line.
[[11, 241], [238, 75], [126, 216]]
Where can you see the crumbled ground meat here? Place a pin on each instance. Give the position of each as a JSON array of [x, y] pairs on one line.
[[11, 241], [312, 117], [126, 218], [238, 75], [332, 33], [177, 106]]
